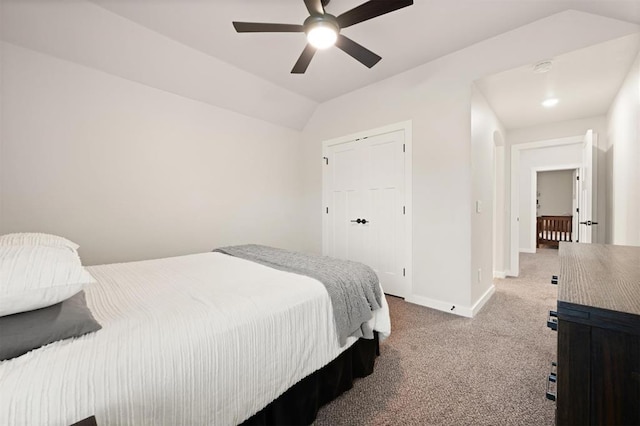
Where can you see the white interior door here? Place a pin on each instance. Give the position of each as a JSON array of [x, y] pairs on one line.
[[365, 196], [575, 205], [586, 190], [346, 240]]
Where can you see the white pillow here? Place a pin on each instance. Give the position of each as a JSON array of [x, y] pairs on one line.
[[34, 277], [36, 239]]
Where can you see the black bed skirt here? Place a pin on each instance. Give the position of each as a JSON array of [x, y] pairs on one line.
[[299, 405]]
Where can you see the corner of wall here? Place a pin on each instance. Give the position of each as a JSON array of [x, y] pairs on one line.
[[1, 126], [484, 194], [622, 156], [467, 311]]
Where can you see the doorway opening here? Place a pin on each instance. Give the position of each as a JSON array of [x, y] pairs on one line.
[[556, 204], [572, 153]]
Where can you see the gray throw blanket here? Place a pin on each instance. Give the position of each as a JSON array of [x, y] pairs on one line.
[[352, 286]]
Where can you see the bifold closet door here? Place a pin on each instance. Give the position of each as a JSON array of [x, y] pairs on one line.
[[346, 206], [365, 194]]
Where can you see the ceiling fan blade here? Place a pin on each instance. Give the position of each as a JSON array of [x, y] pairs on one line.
[[370, 10], [361, 53], [303, 61], [314, 7], [263, 27]]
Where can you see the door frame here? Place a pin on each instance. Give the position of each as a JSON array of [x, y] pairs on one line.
[[407, 127], [516, 150]]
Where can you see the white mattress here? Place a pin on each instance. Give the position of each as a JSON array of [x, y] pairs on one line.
[[201, 339]]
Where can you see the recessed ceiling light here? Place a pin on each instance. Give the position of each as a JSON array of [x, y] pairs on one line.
[[551, 102]]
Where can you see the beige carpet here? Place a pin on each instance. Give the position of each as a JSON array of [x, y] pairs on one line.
[[441, 369]]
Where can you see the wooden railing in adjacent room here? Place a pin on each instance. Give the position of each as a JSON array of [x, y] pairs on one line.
[[550, 230]]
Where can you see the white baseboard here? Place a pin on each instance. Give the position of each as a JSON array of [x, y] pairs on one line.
[[439, 305], [528, 250], [500, 274], [463, 311], [483, 299]]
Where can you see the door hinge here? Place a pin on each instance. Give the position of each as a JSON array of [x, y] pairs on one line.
[[327, 210], [404, 209], [577, 177], [578, 210], [326, 159], [403, 148], [404, 272]]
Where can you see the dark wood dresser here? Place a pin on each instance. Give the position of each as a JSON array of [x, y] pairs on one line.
[[598, 324]]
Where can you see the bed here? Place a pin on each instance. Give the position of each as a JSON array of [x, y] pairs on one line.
[[551, 230], [200, 339]]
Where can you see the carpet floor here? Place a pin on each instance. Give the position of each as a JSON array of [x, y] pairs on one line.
[[440, 369]]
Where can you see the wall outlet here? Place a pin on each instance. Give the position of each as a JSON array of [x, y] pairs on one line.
[[478, 206], [479, 275]]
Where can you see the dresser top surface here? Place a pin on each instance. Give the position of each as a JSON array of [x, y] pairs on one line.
[[600, 276]]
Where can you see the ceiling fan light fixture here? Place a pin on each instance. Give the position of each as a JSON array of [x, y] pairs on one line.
[[322, 35], [323, 29]]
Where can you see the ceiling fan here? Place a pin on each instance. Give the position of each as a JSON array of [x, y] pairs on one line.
[[323, 29]]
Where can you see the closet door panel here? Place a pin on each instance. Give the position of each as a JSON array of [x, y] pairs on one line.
[[365, 193]]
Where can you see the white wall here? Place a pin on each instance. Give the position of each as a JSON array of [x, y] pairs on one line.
[[1, 119], [501, 211], [623, 157], [530, 161], [484, 125], [437, 98], [84, 33], [440, 111], [132, 172], [555, 193], [559, 130]]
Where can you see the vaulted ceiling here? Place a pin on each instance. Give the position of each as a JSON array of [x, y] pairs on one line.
[[405, 38], [584, 82], [190, 48]]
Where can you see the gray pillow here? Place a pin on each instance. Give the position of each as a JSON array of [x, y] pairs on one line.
[[23, 332]]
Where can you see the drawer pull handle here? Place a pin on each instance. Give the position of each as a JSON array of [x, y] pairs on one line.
[[552, 378], [552, 321]]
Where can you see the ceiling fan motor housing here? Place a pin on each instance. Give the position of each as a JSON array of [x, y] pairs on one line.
[[314, 21], [323, 29]]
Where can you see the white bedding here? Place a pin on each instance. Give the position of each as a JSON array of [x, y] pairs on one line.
[[201, 339]]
